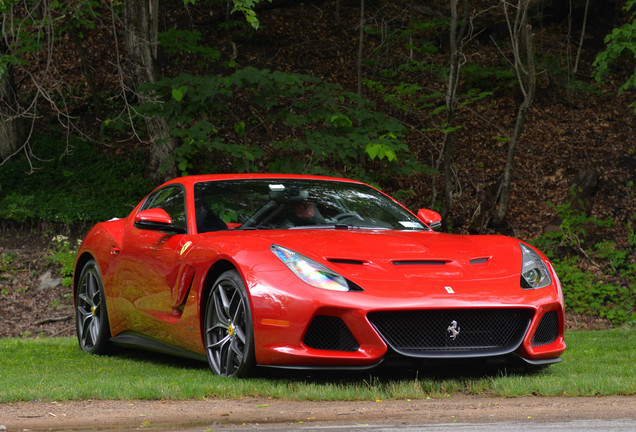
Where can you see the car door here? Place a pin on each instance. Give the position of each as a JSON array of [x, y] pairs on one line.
[[150, 264]]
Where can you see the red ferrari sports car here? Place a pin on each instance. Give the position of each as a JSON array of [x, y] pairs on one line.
[[309, 272]]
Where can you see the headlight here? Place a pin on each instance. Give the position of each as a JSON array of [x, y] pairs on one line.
[[534, 272], [313, 273]]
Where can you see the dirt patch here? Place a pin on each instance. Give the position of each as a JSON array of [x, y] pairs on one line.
[[33, 300], [251, 411]]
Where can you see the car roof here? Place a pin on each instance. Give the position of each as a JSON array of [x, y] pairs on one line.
[[190, 180]]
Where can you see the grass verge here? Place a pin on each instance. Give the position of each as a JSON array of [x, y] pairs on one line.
[[596, 363]]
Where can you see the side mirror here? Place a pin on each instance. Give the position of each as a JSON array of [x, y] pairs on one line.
[[430, 218], [156, 219]]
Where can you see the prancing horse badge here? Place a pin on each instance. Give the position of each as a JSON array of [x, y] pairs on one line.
[[453, 330]]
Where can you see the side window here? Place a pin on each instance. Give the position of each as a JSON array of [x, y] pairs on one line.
[[172, 200]]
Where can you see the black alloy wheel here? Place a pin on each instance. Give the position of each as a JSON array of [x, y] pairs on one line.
[[91, 317], [229, 335]]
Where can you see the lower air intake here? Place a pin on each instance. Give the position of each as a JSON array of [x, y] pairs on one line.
[[330, 333], [452, 333], [548, 330]]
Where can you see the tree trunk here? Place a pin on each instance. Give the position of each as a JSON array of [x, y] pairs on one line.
[[86, 69], [360, 48], [580, 48], [504, 195], [456, 50], [520, 34], [10, 141], [141, 37]]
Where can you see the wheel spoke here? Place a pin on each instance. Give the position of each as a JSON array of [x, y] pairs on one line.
[[224, 299], [220, 343], [238, 311], [237, 348], [92, 286], [94, 328], [96, 296], [229, 359], [85, 334], [83, 297], [238, 331], [218, 326], [220, 302]]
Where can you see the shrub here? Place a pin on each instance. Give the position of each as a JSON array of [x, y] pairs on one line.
[[599, 279], [81, 186]]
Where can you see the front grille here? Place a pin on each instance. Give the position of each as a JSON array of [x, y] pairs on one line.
[[548, 329], [330, 333], [429, 333]]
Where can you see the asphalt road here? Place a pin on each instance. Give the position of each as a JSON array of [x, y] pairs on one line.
[[628, 425], [456, 413]]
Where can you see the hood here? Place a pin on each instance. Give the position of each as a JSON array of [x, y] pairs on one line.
[[393, 255]]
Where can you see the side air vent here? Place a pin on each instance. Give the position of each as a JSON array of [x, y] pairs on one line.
[[548, 329], [330, 333], [419, 262]]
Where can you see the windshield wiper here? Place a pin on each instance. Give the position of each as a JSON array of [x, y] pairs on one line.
[[338, 226]]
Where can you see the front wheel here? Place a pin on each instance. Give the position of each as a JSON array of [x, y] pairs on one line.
[[229, 335], [91, 317]]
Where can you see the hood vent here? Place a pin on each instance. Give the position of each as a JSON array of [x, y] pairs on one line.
[[345, 261], [419, 262], [479, 260]]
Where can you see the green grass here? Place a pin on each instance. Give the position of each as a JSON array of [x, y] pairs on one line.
[[596, 363]]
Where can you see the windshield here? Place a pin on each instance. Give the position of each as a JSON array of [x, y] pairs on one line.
[[294, 204]]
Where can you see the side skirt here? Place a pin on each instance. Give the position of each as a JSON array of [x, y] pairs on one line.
[[323, 368], [130, 339]]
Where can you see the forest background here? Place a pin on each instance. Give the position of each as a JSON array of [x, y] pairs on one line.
[[511, 117]]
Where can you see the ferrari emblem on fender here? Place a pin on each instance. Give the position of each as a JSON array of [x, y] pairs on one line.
[[453, 330], [185, 247]]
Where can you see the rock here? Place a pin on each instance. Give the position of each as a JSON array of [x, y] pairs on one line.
[[48, 281]]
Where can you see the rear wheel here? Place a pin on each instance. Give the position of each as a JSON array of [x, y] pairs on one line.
[[91, 317], [229, 335]]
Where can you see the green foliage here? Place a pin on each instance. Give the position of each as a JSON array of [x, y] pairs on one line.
[[620, 44], [64, 255], [80, 186], [488, 78], [6, 269], [7, 61], [76, 15], [572, 229], [585, 293], [28, 26], [322, 128], [599, 279], [245, 7], [188, 42]]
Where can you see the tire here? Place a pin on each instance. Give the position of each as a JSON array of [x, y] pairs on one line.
[[91, 317], [227, 322]]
